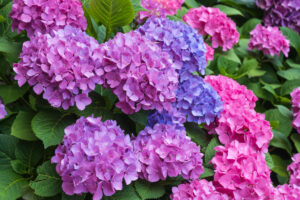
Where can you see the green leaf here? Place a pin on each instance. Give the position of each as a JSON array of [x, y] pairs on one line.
[[292, 64], [140, 117], [285, 126], [21, 127], [8, 145], [47, 183], [207, 173], [290, 74], [296, 140], [11, 185], [269, 161], [280, 166], [137, 6], [49, 126], [10, 49], [285, 111], [5, 26], [289, 86], [229, 11], [111, 13], [192, 3], [147, 190], [11, 93], [198, 135], [127, 193], [279, 140], [210, 150], [249, 26], [293, 37], [19, 167]]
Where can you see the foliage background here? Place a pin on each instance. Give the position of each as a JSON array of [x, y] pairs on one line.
[[32, 129]]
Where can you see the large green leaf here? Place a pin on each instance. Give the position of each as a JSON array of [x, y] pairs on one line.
[[229, 11], [111, 13], [289, 86], [21, 127], [198, 135], [280, 166], [127, 193], [10, 49], [149, 190], [296, 140], [11, 93], [293, 37], [48, 182], [210, 150], [269, 161], [8, 145], [249, 26], [207, 173], [49, 126], [279, 140], [285, 126], [290, 74]]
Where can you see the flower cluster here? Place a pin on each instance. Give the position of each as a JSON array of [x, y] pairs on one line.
[[95, 157], [213, 22], [197, 190], [166, 151], [269, 40], [294, 170], [61, 66], [265, 4], [284, 13], [3, 112], [162, 8], [44, 16], [287, 192], [241, 172], [239, 121], [209, 55], [138, 72], [166, 117], [296, 108]]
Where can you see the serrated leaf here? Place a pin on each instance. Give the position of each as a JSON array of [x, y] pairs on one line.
[[210, 150], [21, 128], [49, 126], [149, 190], [7, 150], [289, 86], [279, 140], [19, 167], [269, 161], [48, 182], [296, 140], [11, 93], [280, 166], [290, 74], [229, 11]]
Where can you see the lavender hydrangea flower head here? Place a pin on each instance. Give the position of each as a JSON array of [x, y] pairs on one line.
[[3, 112], [166, 151], [181, 41], [167, 117], [160, 8], [61, 66], [95, 157], [265, 4], [139, 73], [44, 15], [284, 13]]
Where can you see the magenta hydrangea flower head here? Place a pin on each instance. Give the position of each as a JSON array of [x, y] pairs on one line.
[[139, 73], [209, 55], [294, 170], [269, 40], [61, 66], [213, 22], [197, 190], [3, 112], [182, 42], [166, 151], [296, 108], [265, 4], [162, 7], [287, 192], [44, 15], [241, 172], [95, 157]]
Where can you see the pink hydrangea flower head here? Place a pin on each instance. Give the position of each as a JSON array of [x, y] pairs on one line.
[[269, 40], [213, 22], [61, 66], [287, 192], [166, 151], [162, 7], [197, 190], [209, 55], [296, 108], [95, 157], [139, 73], [44, 15], [294, 170], [3, 112], [241, 172]]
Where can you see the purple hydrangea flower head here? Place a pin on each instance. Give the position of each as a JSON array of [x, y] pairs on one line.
[[61, 66], [197, 99], [139, 73], [284, 13], [294, 170], [181, 41], [3, 112], [296, 108], [197, 190], [95, 157], [44, 15], [166, 151], [265, 4], [167, 117]]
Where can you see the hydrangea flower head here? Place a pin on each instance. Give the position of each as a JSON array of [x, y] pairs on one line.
[[139, 73], [296, 108], [179, 40], [265, 4], [213, 22], [198, 100], [44, 15], [167, 117], [209, 55], [61, 66], [3, 112], [287, 192], [162, 7], [95, 157], [269, 40], [197, 190], [294, 170], [166, 151], [241, 172]]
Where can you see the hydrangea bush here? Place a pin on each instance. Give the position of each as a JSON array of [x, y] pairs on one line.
[[149, 99]]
